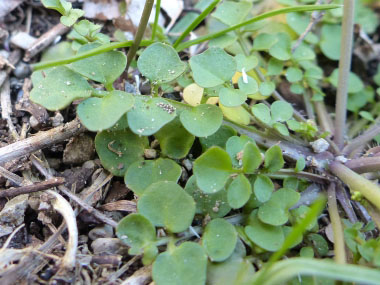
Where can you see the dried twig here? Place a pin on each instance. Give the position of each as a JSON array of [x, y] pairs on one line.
[[40, 141], [45, 40], [6, 108], [32, 188]]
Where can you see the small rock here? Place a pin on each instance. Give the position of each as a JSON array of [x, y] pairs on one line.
[[57, 120], [104, 231], [13, 213], [22, 70], [109, 246], [79, 150], [320, 145], [150, 153]]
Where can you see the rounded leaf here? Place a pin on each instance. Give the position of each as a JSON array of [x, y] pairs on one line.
[[212, 67], [236, 114], [185, 265], [330, 41], [239, 191], [167, 205], [293, 74], [57, 87], [160, 63], [267, 88], [252, 158], [263, 188], [136, 231], [265, 236], [273, 159], [98, 114], [202, 120], [281, 111], [248, 87], [232, 97], [219, 239], [149, 115], [192, 94], [212, 169], [262, 113], [246, 62], [219, 138], [141, 174], [235, 146], [105, 67], [214, 205], [175, 140], [117, 150]]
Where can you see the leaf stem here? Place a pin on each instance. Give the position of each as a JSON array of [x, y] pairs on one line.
[[256, 19], [357, 182], [339, 248], [196, 22], [140, 31], [102, 49], [344, 70], [323, 117], [156, 16]]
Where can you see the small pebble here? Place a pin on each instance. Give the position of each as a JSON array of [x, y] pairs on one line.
[[22, 70]]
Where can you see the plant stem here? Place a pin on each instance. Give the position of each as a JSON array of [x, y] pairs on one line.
[[357, 182], [364, 164], [344, 70], [92, 52], [308, 105], [156, 16], [363, 139], [140, 31], [196, 22], [283, 173], [256, 19], [339, 249], [323, 117]]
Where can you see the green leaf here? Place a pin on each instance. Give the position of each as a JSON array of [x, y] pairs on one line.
[[160, 63], [57, 87], [319, 244], [104, 68], [215, 205], [219, 138], [267, 88], [246, 62], [95, 113], [293, 74], [366, 115], [117, 150], [137, 232], [275, 66], [70, 18], [232, 13], [219, 239], [281, 128], [303, 53], [249, 87], [235, 146], [263, 188], [252, 158], [232, 97], [300, 164], [202, 120], [212, 67], [264, 41], [355, 84], [273, 159], [237, 114], [141, 174], [297, 88], [60, 50], [185, 265], [149, 115], [330, 41], [275, 211], [175, 141], [262, 113], [282, 48], [212, 169], [281, 111], [167, 205], [266, 236], [239, 191], [62, 6]]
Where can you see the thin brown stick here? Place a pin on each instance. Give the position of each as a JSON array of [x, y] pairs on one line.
[[40, 141], [364, 164], [6, 108], [323, 117], [45, 40], [12, 192]]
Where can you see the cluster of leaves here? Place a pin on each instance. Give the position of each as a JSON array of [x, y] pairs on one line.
[[233, 175]]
